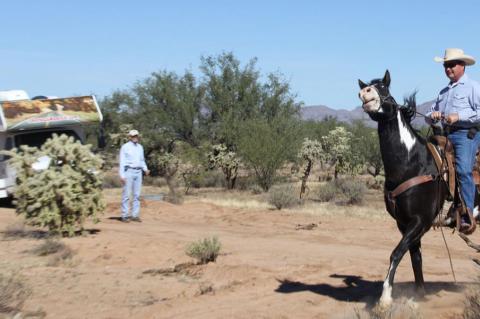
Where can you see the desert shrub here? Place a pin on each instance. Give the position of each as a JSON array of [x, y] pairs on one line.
[[210, 178], [326, 192], [111, 181], [472, 304], [174, 198], [377, 182], [256, 189], [59, 185], [245, 182], [352, 190], [48, 247], [13, 293], [204, 250], [283, 197], [154, 181]]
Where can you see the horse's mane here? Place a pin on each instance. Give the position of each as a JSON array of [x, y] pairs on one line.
[[409, 108]]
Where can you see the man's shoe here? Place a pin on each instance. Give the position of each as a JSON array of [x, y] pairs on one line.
[[136, 219], [125, 220]]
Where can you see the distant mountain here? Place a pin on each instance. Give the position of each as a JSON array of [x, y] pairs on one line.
[[320, 112]]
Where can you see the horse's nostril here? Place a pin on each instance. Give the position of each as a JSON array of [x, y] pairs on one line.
[[369, 89]]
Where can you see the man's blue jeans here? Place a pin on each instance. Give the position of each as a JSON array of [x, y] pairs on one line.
[[132, 188], [465, 150]]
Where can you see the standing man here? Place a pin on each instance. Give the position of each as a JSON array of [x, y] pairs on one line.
[[132, 166], [459, 105]]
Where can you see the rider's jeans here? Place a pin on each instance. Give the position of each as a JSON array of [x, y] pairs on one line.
[[465, 150]]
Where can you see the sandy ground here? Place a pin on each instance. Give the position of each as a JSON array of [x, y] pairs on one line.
[[267, 268]]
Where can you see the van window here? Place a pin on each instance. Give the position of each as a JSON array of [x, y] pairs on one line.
[[37, 139], [8, 146]]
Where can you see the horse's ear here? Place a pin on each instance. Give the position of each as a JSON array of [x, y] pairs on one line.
[[386, 79], [362, 84]]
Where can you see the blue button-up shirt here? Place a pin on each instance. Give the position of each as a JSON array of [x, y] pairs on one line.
[[131, 155], [461, 97]]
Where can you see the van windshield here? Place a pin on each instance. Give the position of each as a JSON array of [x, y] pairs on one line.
[[38, 138]]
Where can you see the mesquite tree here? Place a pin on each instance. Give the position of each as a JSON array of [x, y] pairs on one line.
[[311, 150], [59, 185]]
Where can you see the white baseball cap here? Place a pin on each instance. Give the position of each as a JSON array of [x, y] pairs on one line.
[[133, 133]]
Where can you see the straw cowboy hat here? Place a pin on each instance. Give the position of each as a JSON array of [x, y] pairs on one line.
[[454, 54], [133, 133]]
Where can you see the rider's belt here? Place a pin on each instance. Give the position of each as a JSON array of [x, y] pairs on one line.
[[129, 167]]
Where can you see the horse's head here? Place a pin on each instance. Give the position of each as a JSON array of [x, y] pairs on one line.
[[376, 98]]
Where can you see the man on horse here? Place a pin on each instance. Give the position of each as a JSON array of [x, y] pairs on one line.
[[458, 105]]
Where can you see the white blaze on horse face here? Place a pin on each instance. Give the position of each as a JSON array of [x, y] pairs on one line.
[[406, 137], [370, 99]]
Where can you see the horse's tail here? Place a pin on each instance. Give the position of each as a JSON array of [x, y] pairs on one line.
[[410, 107]]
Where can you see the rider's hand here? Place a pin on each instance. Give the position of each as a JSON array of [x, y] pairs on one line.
[[451, 118], [436, 116]]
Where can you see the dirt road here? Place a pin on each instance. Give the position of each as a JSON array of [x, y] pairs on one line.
[[268, 268]]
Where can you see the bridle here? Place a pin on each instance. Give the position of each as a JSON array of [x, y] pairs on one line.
[[385, 99]]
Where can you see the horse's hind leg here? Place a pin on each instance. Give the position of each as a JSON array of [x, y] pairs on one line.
[[416, 258], [413, 233]]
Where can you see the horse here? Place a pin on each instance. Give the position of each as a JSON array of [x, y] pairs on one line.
[[414, 190]]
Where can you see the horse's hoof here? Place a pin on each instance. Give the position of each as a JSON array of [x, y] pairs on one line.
[[384, 303]]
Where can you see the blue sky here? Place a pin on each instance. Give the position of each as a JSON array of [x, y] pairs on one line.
[[66, 48]]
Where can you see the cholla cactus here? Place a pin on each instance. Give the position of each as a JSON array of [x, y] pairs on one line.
[[337, 148], [311, 150], [189, 173], [63, 193], [167, 165], [227, 161]]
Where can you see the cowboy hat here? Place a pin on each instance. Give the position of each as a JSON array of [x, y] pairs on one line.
[[453, 54], [133, 133]]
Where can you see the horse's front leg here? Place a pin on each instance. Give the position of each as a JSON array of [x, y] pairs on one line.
[[413, 233], [416, 258]]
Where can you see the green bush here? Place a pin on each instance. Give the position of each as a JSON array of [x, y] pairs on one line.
[[353, 190], [284, 196], [326, 192], [64, 194], [210, 178], [204, 250]]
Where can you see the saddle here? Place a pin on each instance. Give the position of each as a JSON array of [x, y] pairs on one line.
[[444, 155]]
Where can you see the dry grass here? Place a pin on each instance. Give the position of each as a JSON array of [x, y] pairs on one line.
[[403, 309], [13, 293], [472, 303], [19, 231], [58, 252]]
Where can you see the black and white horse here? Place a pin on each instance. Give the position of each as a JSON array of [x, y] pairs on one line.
[[407, 161]]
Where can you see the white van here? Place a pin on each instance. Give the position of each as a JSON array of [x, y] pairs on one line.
[[25, 121]]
